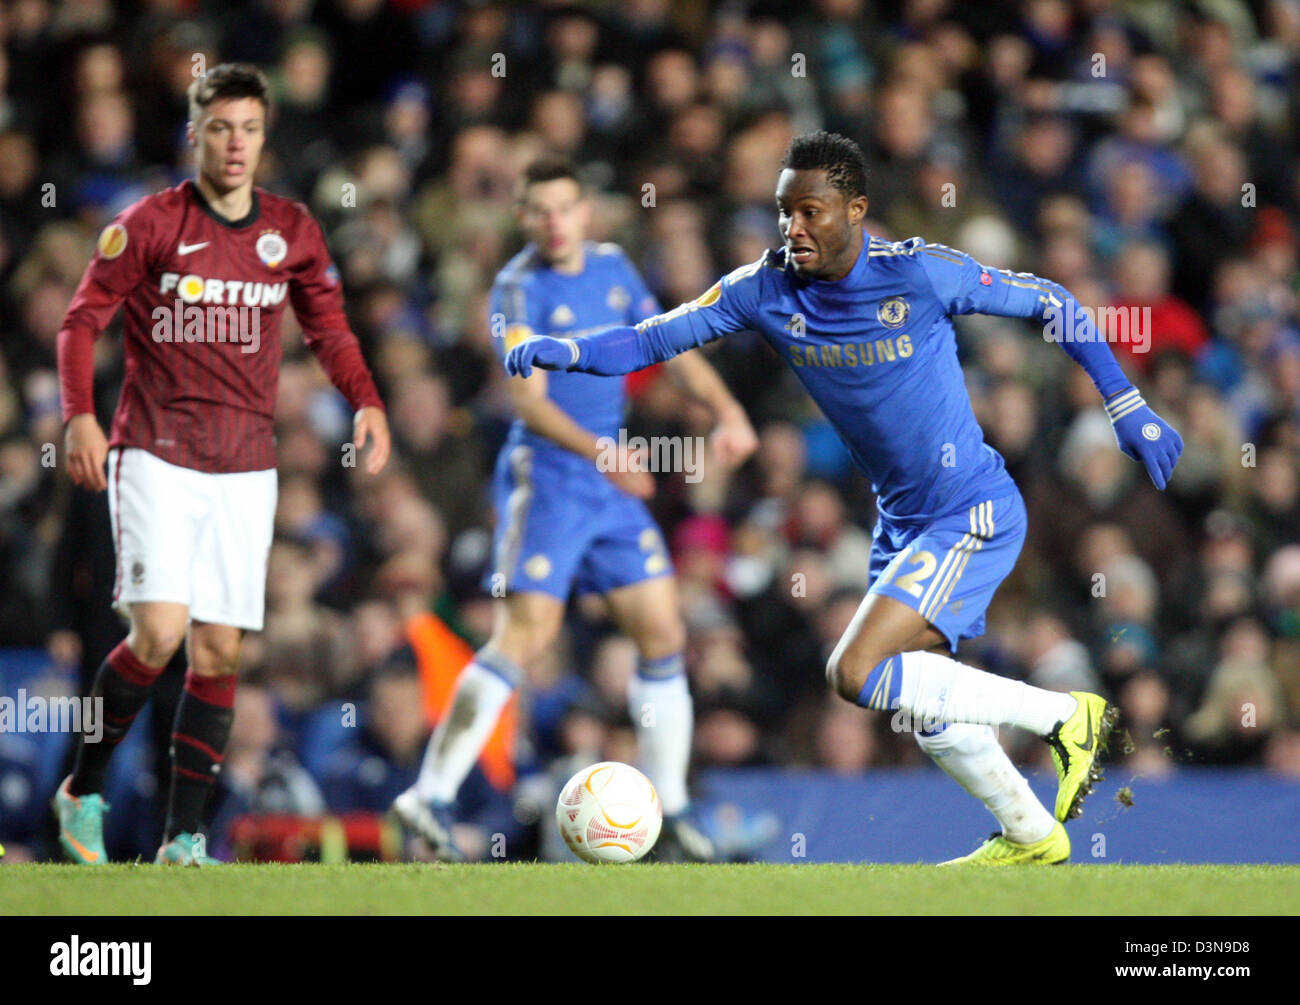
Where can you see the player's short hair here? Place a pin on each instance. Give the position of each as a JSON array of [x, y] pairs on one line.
[[228, 80], [838, 156], [549, 168]]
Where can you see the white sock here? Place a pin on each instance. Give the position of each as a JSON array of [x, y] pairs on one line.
[[935, 689], [456, 743], [972, 755], [664, 716]]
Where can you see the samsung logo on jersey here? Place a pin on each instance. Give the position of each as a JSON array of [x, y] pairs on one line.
[[233, 292], [885, 350]]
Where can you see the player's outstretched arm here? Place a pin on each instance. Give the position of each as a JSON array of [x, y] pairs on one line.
[[624, 348], [543, 352], [733, 438], [728, 306], [1139, 431], [609, 353], [966, 287], [1143, 435]]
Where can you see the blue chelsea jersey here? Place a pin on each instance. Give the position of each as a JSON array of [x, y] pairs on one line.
[[877, 351], [530, 298]]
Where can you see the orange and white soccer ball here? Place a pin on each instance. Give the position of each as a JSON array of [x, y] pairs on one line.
[[609, 812]]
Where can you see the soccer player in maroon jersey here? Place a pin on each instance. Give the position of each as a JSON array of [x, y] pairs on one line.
[[206, 270]]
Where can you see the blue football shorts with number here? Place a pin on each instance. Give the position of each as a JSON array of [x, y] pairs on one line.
[[947, 569], [563, 527]]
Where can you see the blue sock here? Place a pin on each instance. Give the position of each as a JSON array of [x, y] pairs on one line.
[[883, 685], [661, 669]]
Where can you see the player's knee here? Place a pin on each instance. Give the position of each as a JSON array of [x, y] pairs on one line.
[[154, 642], [215, 657], [833, 671], [662, 639], [523, 644], [852, 672], [847, 672], [526, 626]]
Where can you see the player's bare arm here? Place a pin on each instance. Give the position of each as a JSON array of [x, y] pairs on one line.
[[318, 304], [87, 451], [733, 437], [545, 418], [370, 425]]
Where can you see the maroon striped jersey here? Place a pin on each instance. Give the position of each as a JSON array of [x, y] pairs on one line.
[[204, 297]]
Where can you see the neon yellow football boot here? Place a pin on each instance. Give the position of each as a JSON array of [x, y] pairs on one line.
[[997, 850], [1077, 744]]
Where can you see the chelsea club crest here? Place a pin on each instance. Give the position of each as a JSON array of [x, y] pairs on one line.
[[892, 312]]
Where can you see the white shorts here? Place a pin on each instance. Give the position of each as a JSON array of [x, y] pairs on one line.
[[191, 537]]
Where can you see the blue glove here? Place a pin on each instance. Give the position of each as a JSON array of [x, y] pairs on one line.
[[1144, 436], [541, 351]]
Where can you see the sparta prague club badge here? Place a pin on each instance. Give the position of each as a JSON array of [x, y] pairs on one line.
[[271, 248]]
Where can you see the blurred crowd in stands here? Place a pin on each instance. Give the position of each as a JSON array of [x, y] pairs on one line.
[[1143, 154]]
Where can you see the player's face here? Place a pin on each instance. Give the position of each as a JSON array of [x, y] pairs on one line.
[[822, 229], [229, 138], [555, 217]]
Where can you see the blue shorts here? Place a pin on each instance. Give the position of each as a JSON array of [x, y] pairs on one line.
[[565, 528], [948, 570]]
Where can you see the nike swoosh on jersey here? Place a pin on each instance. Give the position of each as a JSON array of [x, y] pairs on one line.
[[185, 249]]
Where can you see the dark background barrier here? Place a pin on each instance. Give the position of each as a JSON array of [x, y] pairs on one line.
[[1192, 815]]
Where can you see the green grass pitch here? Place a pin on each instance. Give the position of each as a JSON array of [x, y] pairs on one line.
[[528, 888]]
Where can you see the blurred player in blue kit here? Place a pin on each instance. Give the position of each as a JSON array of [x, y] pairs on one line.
[[569, 494], [866, 325]]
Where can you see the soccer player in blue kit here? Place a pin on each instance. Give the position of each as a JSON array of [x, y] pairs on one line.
[[571, 517], [866, 325]]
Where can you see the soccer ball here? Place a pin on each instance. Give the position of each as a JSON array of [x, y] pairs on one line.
[[609, 812]]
